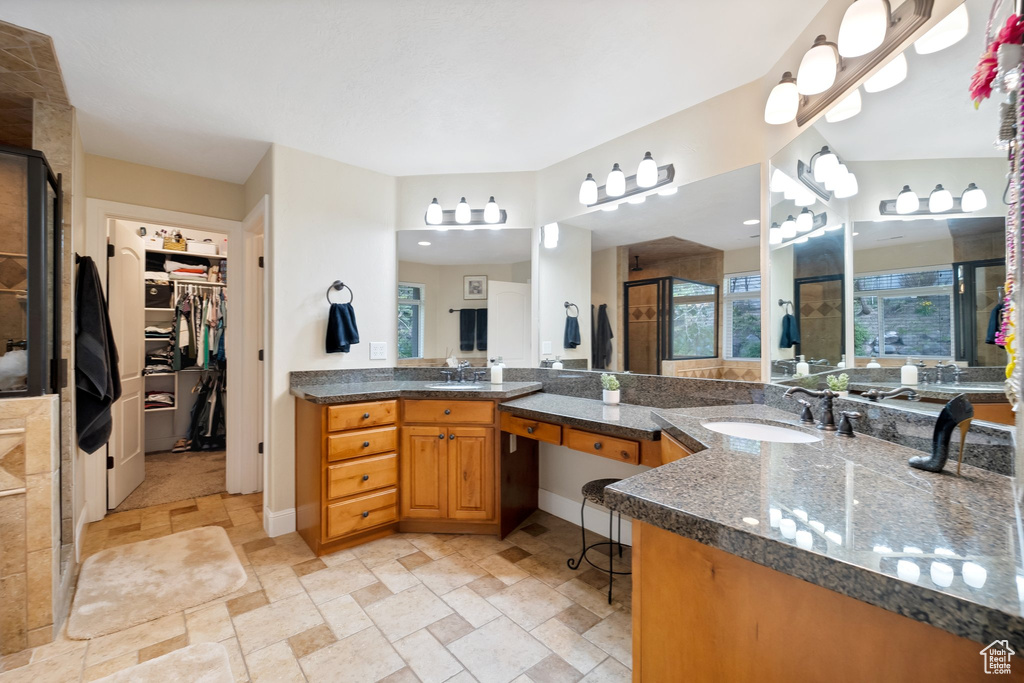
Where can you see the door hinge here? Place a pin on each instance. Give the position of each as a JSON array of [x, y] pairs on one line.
[[261, 261], [261, 354], [259, 448], [110, 462], [110, 250]]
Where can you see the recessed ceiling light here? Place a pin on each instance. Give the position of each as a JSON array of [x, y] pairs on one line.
[[855, 234], [752, 221], [423, 244]]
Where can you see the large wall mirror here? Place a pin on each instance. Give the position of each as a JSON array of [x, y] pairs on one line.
[[464, 293], [909, 262], [669, 285]]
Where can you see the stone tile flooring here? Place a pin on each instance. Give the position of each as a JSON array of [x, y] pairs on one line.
[[409, 607]]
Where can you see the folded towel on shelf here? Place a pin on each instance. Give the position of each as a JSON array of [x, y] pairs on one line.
[[170, 266], [341, 328], [155, 276]]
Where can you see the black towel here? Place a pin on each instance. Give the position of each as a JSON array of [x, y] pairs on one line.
[[603, 354], [481, 329], [341, 328], [995, 321], [572, 332], [97, 378], [790, 332], [467, 329]]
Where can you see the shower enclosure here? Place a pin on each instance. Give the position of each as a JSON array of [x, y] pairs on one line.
[[668, 318]]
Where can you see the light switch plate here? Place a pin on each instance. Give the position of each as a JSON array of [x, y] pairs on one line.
[[378, 350], [545, 347]]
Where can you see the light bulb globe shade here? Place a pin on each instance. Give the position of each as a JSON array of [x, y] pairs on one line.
[[847, 187], [889, 75], [818, 68], [907, 201], [940, 200], [779, 181], [550, 234], [492, 214], [783, 102], [835, 177], [805, 197], [615, 185], [947, 32], [462, 212], [435, 215], [775, 234], [637, 199], [846, 108], [805, 220], [788, 228], [588, 191], [610, 207], [973, 199], [863, 28], [824, 165], [647, 172]]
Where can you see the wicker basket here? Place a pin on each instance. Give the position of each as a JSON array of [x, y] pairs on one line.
[[174, 245]]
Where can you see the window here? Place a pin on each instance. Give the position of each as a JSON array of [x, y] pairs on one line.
[[904, 313], [693, 319], [410, 320], [743, 316]]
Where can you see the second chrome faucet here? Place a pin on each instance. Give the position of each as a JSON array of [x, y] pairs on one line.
[[826, 419]]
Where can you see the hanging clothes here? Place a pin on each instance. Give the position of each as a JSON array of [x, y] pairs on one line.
[[603, 339], [995, 321], [200, 321]]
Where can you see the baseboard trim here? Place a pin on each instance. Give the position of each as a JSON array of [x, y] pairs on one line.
[[595, 519], [278, 523]]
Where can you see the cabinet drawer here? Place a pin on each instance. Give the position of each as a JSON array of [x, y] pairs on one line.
[[611, 447], [363, 442], [532, 429], [361, 513], [464, 412], [359, 415], [361, 474]]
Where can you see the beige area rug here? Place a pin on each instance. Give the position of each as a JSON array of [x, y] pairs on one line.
[[171, 477], [203, 663], [138, 582]]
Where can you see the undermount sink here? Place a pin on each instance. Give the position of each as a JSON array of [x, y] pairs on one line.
[[761, 432], [454, 386]]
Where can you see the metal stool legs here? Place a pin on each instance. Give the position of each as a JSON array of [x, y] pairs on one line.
[[574, 563]]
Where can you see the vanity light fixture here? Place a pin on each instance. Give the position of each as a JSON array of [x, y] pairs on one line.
[[775, 234], [648, 176], [788, 228], [790, 233], [464, 217], [783, 102], [836, 177], [907, 201], [637, 199], [893, 73], [947, 32], [824, 165], [647, 172], [847, 187], [549, 235], [940, 200], [588, 190], [668, 191], [805, 220], [973, 199], [863, 28], [610, 207], [801, 240], [818, 68], [615, 185], [826, 176], [847, 108]]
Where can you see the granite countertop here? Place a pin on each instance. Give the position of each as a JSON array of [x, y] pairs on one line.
[[350, 392], [977, 392], [865, 522], [627, 421]]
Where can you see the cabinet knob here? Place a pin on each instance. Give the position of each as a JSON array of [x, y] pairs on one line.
[[447, 411], [366, 444], [597, 445], [366, 477], [529, 430], [624, 454], [440, 436], [451, 436], [366, 513], [366, 416]]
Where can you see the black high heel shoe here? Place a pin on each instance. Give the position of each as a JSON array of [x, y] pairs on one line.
[[957, 413]]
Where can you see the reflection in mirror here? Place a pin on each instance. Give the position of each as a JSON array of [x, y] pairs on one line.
[[674, 282], [464, 293]]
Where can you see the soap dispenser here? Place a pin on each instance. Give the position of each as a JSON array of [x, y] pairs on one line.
[[557, 365], [842, 362], [908, 373], [497, 369], [874, 364], [802, 368]]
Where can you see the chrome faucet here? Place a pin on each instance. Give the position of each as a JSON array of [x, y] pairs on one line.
[[826, 420], [940, 366], [789, 365], [957, 372], [876, 394]]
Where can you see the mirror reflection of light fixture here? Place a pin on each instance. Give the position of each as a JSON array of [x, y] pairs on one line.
[[863, 28], [434, 213], [788, 228], [668, 191], [783, 101], [940, 200], [907, 201], [818, 68], [615, 185], [775, 234], [549, 235], [973, 199], [588, 190], [491, 212], [947, 32], [636, 199], [801, 240], [846, 108], [889, 75], [836, 177], [462, 212], [847, 187], [824, 165], [610, 207], [647, 172], [805, 220]]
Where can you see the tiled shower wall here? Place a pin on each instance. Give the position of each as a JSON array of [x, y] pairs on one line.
[[29, 537]]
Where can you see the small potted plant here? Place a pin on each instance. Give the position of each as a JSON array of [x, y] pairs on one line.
[[611, 389], [839, 383]]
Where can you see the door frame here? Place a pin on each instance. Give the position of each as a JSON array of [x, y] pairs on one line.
[[240, 464], [965, 328]]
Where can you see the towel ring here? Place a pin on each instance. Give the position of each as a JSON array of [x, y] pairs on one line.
[[339, 285], [567, 305]]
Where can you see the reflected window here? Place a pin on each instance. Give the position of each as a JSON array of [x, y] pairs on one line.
[[694, 319], [904, 313], [742, 306], [411, 301]]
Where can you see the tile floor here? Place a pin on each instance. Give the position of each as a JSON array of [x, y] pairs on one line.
[[409, 607]]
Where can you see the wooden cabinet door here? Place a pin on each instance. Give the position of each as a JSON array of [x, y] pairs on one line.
[[470, 473], [424, 482]]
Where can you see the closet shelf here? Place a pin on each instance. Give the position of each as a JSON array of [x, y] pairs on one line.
[[159, 310], [201, 283], [159, 410], [172, 252]]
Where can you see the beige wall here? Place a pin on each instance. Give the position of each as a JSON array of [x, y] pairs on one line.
[[564, 274], [606, 288], [742, 260], [259, 181], [122, 181]]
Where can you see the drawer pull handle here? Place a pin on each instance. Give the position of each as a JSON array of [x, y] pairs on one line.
[[529, 430], [366, 416], [440, 436], [624, 454], [451, 436], [366, 477], [597, 445], [366, 444], [366, 513], [447, 411]]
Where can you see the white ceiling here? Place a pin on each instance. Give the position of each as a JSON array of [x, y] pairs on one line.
[[465, 247], [710, 212], [399, 86], [930, 114]]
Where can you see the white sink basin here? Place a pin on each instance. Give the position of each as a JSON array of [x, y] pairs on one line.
[[761, 432], [458, 387]]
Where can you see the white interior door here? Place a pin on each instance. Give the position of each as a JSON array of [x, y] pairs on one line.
[[126, 295], [508, 322]]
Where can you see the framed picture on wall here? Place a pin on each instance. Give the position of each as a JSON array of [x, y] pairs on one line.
[[474, 287]]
